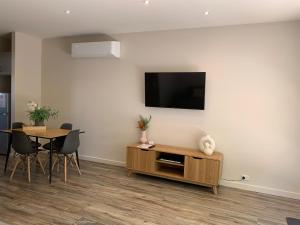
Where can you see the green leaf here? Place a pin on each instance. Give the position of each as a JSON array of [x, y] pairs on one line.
[[42, 114]]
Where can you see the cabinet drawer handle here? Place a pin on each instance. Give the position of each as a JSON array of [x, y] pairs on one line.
[[197, 158]]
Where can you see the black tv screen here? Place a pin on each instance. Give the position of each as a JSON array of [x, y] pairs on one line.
[[175, 90]]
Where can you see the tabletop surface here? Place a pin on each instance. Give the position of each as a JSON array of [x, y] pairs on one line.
[[47, 133]]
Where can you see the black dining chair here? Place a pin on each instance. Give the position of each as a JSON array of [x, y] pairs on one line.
[[59, 141], [19, 125], [70, 146], [21, 143]]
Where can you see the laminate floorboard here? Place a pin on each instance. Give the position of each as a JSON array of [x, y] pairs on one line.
[[106, 195]]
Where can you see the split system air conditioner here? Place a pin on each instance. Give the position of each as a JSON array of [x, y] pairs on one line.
[[106, 49]]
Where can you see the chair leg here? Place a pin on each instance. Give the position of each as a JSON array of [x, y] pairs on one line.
[[66, 170], [54, 163], [23, 164], [70, 160], [58, 163], [28, 169], [15, 167], [76, 164], [46, 163], [41, 165]]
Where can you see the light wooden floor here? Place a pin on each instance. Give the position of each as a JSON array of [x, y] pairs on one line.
[[106, 195]]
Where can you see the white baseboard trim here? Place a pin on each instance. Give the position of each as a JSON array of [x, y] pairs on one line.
[[233, 184], [102, 160], [261, 189]]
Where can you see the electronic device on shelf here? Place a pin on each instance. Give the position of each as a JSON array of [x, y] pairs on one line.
[[172, 158]]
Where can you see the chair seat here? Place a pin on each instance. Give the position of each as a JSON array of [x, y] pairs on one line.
[[55, 146], [35, 145]]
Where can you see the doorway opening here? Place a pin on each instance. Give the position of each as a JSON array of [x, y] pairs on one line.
[[5, 89]]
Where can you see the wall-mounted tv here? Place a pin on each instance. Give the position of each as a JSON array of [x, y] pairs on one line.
[[175, 90]]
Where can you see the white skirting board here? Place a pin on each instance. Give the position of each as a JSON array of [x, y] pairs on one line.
[[261, 189], [234, 184], [102, 160]]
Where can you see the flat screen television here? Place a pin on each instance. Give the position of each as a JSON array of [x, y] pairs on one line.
[[175, 90]]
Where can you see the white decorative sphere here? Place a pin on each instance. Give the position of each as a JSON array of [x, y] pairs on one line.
[[207, 145]]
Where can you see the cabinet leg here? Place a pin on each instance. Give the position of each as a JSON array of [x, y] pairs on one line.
[[129, 173], [215, 189]]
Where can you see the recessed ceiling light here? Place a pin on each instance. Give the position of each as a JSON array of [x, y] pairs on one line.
[[67, 11], [206, 13], [147, 2]]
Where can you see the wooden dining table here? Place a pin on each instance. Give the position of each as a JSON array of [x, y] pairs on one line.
[[49, 134]]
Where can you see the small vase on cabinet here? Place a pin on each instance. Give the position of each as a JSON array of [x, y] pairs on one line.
[[143, 138]]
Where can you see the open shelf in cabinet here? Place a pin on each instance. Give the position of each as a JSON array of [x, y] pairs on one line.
[[169, 164], [170, 170]]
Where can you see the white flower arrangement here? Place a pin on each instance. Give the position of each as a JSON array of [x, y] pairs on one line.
[[32, 106], [39, 114]]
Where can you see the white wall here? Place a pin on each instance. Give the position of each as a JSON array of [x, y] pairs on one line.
[[26, 73], [252, 97]]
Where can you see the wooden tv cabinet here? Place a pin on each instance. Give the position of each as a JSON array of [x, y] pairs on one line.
[[192, 166]]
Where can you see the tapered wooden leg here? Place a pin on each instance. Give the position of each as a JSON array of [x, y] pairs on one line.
[[28, 169], [215, 189], [14, 169], [54, 163], [70, 160], [58, 166], [129, 172], [24, 164], [66, 168], [76, 164], [41, 165], [46, 164], [58, 163]]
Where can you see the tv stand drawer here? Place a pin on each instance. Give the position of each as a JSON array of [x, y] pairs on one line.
[[201, 170], [140, 159]]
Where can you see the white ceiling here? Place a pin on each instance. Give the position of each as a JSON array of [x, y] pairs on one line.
[[46, 18]]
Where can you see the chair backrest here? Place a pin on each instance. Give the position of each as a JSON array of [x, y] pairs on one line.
[[60, 140], [21, 143], [17, 125], [67, 126], [71, 143]]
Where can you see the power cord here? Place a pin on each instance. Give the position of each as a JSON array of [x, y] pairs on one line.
[[242, 179]]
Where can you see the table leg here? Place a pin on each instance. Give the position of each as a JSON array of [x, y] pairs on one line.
[[50, 162], [8, 153], [77, 158]]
